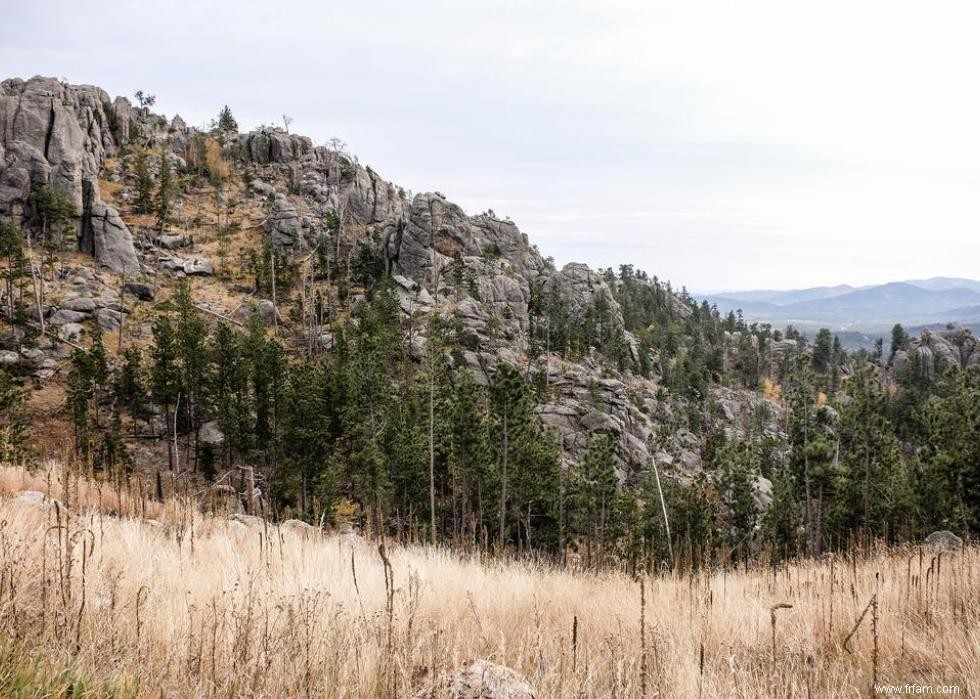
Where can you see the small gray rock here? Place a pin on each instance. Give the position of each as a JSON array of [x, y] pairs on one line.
[[142, 291], [65, 316], [70, 331], [82, 304], [9, 357]]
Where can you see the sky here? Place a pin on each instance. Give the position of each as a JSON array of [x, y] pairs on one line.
[[721, 145]]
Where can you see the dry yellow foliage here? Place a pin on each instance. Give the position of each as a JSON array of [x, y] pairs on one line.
[[772, 390]]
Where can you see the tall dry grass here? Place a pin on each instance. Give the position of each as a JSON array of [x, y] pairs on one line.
[[189, 605]]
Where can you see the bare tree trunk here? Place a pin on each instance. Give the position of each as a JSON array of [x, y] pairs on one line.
[[503, 488], [663, 507], [432, 450], [34, 282]]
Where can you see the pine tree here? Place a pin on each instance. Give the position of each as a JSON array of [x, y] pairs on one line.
[[144, 182], [226, 122], [130, 386], [164, 194], [592, 492], [165, 376], [13, 419], [80, 389]]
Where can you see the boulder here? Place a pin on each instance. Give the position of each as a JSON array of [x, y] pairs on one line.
[[210, 433], [248, 520], [171, 241], [141, 290], [70, 331], [8, 357], [262, 188], [478, 679], [36, 497], [299, 527], [944, 540], [108, 319], [82, 304], [762, 493], [110, 240], [64, 316]]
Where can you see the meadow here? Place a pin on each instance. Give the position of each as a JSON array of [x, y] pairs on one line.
[[104, 592]]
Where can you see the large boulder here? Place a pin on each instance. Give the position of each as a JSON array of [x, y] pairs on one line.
[[111, 241], [944, 540]]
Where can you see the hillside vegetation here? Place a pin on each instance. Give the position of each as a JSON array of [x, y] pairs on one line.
[[272, 324], [160, 600]]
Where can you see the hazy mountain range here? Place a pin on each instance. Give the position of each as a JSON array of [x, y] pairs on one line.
[[860, 314]]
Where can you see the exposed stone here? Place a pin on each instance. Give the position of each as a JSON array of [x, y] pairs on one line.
[[110, 239], [171, 241], [108, 319], [70, 331], [198, 266], [263, 188], [210, 433], [83, 304], [298, 526], [9, 357], [478, 679], [944, 540], [64, 316], [36, 497], [762, 493], [142, 291]]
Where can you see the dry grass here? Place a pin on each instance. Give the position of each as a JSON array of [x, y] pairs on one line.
[[187, 605]]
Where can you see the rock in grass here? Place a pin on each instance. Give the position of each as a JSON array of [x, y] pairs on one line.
[[479, 679], [944, 540]]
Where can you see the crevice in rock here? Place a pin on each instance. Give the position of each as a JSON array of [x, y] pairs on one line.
[[50, 132]]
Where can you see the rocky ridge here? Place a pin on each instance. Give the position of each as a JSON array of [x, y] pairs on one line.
[[68, 137]]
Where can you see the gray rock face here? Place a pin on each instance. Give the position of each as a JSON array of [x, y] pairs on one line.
[[9, 357], [58, 135], [284, 223], [270, 145]]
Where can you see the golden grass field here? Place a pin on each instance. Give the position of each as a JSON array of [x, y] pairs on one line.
[[99, 599]]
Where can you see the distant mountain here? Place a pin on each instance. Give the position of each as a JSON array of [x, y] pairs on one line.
[[783, 298], [945, 283], [861, 312]]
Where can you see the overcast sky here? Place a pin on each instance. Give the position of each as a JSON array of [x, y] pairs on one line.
[[721, 145]]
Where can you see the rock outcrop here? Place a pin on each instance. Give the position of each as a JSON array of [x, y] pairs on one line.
[[58, 136]]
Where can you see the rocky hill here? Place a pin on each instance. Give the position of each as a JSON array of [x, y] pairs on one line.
[[280, 189]]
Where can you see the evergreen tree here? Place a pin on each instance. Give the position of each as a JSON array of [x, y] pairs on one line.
[[165, 376], [164, 196], [144, 182]]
